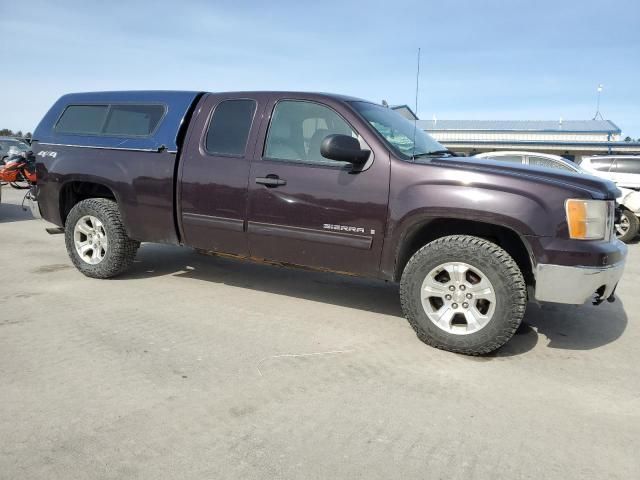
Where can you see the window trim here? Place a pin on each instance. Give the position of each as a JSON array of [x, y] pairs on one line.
[[164, 106], [203, 141], [333, 164]]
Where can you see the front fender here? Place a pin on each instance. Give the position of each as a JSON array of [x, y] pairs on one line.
[[423, 193]]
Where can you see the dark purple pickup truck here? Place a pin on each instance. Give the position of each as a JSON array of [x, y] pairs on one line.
[[328, 182]]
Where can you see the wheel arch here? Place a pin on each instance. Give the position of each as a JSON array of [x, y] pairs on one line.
[[75, 191], [431, 229]]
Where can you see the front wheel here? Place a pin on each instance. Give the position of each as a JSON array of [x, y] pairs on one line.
[[463, 294], [96, 239], [628, 226]]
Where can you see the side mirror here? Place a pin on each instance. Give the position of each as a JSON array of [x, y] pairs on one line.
[[343, 148]]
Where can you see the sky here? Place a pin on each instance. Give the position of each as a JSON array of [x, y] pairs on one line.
[[495, 60]]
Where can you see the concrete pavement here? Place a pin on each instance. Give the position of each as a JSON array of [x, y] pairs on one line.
[[198, 367]]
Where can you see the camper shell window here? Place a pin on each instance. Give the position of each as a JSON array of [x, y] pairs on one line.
[[121, 120]]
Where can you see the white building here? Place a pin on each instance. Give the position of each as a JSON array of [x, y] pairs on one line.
[[571, 139]]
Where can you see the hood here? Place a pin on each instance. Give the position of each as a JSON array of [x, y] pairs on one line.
[[592, 186]]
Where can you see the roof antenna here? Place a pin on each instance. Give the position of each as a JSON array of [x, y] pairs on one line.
[[415, 120], [598, 114]]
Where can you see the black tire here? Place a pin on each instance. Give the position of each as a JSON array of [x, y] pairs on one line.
[[499, 268], [634, 226], [121, 249]]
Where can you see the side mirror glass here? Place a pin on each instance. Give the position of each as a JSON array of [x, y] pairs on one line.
[[343, 148]]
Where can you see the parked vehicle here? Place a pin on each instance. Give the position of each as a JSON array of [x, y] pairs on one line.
[[627, 223], [19, 171], [531, 158], [10, 146], [327, 182], [624, 170]]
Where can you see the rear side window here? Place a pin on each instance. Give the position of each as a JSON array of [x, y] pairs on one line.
[[139, 120], [548, 163], [229, 127], [115, 119], [82, 119]]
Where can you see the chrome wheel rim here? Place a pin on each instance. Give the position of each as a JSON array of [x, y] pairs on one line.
[[90, 239], [623, 227], [458, 298]]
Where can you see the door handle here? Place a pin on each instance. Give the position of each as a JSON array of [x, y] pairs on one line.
[[271, 181]]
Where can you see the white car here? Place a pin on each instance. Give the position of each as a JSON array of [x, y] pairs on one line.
[[622, 169], [628, 225]]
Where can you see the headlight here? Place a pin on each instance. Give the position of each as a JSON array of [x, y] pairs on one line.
[[587, 219]]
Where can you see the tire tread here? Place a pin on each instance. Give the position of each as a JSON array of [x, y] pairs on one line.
[[517, 296], [122, 249]]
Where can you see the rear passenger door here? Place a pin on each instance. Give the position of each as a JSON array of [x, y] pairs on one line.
[[215, 171]]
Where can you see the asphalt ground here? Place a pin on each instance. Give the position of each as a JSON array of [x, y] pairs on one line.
[[198, 367]]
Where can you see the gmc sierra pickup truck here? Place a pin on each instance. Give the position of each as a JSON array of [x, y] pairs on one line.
[[327, 182]]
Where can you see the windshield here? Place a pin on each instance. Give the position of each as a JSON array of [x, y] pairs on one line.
[[397, 130]]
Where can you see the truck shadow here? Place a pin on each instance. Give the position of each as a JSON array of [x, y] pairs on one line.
[[10, 212], [565, 327], [352, 292]]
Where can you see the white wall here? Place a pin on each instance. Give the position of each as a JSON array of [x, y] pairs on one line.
[[452, 135]]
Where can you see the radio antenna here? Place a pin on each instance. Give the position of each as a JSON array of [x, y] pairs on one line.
[[415, 113]]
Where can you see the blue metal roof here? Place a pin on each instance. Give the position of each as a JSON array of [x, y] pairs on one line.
[[571, 126], [177, 105]]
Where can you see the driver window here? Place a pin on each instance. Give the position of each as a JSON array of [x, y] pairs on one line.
[[297, 130]]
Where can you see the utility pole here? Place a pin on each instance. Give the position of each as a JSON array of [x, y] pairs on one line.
[[598, 115]]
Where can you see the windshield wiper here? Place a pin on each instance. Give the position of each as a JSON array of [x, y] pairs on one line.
[[435, 153]]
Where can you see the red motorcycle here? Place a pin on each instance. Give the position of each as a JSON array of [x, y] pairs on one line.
[[19, 171]]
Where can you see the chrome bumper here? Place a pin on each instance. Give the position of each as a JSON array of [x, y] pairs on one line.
[[32, 200], [576, 285]]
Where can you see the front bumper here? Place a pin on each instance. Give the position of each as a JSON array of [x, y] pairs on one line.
[[32, 200], [575, 285]]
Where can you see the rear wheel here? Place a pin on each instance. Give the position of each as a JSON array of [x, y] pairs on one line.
[[463, 294], [96, 239], [628, 226]]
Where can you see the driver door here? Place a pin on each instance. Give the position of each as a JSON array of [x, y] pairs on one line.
[[307, 210]]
